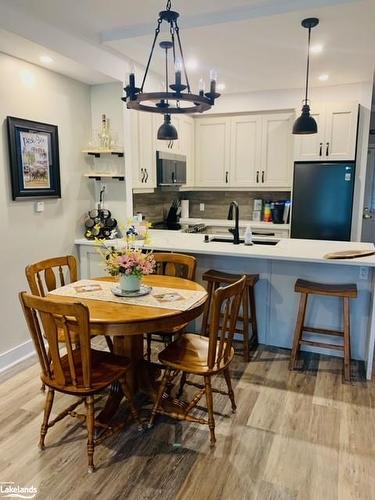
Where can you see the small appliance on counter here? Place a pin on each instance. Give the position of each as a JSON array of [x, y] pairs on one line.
[[277, 210], [173, 216]]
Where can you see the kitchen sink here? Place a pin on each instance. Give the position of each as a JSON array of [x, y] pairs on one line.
[[255, 241]]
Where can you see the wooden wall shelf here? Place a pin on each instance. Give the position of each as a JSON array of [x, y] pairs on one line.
[[98, 152], [99, 176]]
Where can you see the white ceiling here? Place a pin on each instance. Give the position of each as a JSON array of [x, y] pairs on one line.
[[254, 44], [16, 46]]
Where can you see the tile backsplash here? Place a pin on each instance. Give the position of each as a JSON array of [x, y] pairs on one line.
[[155, 206]]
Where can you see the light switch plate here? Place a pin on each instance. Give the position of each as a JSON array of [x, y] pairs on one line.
[[39, 206]]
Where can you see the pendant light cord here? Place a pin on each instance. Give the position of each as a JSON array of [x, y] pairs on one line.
[[308, 65]]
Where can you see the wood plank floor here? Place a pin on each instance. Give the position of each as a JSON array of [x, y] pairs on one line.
[[301, 435]]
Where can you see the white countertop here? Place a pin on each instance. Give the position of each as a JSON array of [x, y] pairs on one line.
[[229, 223], [287, 249]]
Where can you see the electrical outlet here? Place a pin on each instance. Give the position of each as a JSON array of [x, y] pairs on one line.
[[201, 207], [363, 273], [39, 207]]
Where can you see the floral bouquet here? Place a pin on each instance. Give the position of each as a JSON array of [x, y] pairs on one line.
[[126, 259]]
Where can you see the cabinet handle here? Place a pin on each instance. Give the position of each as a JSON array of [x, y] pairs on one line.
[[327, 149], [226, 177], [146, 175], [320, 149], [257, 176], [173, 178], [143, 175], [262, 175]]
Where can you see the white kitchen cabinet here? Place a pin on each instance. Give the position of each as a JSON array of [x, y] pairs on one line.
[[187, 146], [337, 134], [246, 144], [212, 151], [144, 166], [276, 164]]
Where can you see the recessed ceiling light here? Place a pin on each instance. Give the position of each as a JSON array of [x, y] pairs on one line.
[[46, 59], [191, 64], [324, 77], [221, 86], [316, 49]]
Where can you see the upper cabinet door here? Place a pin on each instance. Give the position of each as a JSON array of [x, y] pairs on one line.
[[186, 140], [341, 131], [146, 154], [212, 152], [310, 147], [277, 159], [245, 150]]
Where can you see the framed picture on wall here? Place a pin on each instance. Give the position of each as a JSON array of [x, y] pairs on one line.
[[34, 159]]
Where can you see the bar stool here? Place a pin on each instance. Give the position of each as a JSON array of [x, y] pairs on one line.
[[217, 278], [346, 292]]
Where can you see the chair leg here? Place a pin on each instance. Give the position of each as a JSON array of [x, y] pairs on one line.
[[210, 409], [253, 316], [148, 351], [109, 343], [347, 355], [298, 331], [245, 325], [47, 412], [90, 423], [182, 384], [43, 386], [230, 390], [129, 397], [162, 387]]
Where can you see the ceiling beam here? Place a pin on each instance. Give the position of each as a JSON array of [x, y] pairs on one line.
[[240, 13]]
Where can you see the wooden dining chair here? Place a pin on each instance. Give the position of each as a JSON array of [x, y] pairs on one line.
[[177, 265], [203, 356], [81, 372], [49, 274]]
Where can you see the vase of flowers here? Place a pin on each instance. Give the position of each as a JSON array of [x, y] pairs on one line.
[[126, 259]]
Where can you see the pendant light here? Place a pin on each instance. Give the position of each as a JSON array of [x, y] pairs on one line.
[[177, 97], [306, 124]]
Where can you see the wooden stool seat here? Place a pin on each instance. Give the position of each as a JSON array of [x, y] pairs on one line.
[[215, 279], [229, 278], [342, 291], [347, 290]]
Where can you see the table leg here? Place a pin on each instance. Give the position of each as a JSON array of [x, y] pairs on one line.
[[130, 346]]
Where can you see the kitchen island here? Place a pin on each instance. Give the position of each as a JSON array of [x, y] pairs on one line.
[[279, 266]]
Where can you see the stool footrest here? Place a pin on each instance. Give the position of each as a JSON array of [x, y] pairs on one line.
[[323, 331], [323, 345]]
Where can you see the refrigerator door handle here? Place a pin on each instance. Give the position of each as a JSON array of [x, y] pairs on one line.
[[327, 149], [320, 149]]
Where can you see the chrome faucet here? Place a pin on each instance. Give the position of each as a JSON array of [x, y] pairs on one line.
[[236, 229]]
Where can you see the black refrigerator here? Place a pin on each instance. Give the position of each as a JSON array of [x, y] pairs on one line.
[[323, 200]]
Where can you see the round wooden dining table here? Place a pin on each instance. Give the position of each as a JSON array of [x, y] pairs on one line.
[[127, 324]]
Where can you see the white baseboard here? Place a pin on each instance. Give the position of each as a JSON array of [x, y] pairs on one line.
[[16, 355]]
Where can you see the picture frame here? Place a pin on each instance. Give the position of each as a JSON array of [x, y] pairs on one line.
[[34, 159]]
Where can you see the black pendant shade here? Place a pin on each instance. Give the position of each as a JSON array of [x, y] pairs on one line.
[[167, 131], [306, 124]]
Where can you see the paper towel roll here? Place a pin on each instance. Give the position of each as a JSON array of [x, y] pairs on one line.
[[184, 209]]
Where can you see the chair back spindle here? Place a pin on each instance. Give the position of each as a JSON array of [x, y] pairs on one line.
[[222, 326], [66, 320], [50, 274]]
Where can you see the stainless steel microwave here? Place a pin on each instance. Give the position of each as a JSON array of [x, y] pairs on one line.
[[171, 169]]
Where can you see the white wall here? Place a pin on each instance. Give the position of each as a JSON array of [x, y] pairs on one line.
[[106, 99], [28, 91], [292, 99]]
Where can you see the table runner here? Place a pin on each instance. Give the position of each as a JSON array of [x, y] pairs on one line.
[[165, 298]]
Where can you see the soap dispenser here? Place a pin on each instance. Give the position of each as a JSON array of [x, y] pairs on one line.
[[248, 236]]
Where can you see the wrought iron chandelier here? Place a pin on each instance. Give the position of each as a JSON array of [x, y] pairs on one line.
[[177, 97]]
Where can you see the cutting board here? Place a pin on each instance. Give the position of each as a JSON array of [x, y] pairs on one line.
[[349, 254]]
